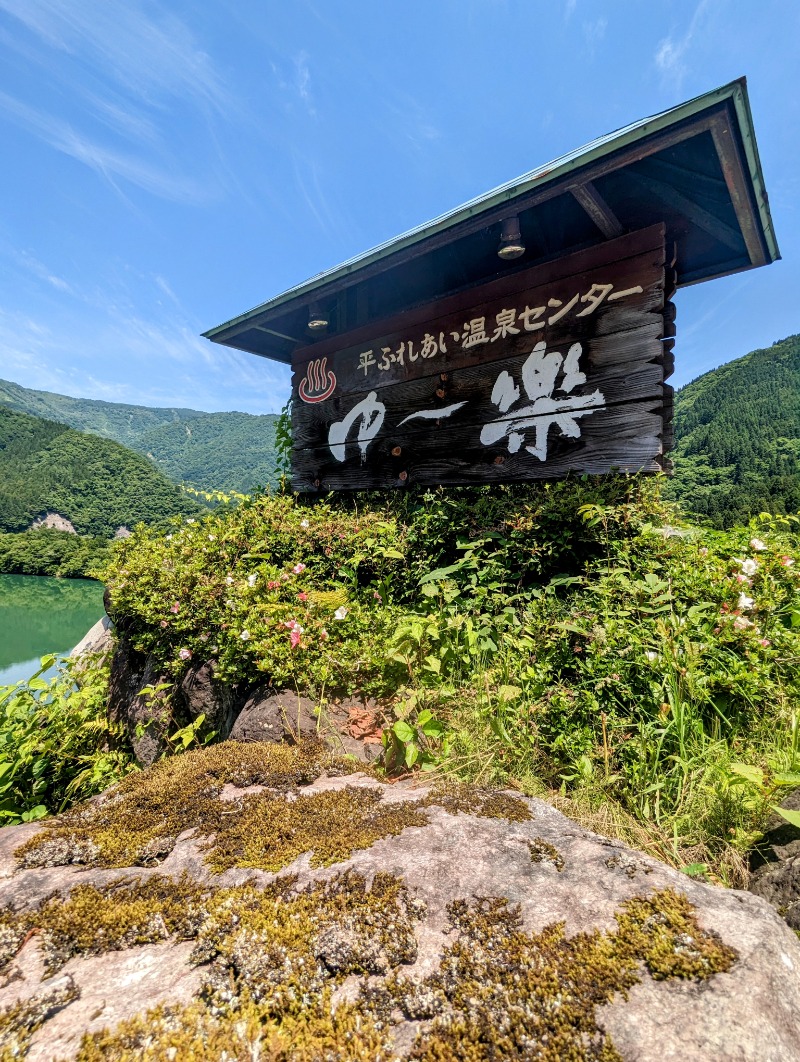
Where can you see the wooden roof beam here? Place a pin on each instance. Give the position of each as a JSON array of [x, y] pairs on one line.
[[733, 171], [698, 215], [598, 210]]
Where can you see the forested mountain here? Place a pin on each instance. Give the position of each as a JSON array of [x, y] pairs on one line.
[[213, 451], [737, 437], [95, 483]]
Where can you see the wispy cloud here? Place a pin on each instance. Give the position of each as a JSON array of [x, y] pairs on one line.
[[151, 53], [302, 81], [108, 162], [670, 56]]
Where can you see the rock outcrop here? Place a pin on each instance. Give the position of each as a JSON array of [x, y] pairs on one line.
[[98, 639], [351, 726], [259, 901], [776, 864], [55, 521]]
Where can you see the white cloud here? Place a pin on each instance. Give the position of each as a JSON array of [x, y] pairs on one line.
[[302, 81], [670, 56]]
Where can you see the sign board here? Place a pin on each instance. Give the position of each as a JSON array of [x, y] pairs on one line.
[[556, 368]]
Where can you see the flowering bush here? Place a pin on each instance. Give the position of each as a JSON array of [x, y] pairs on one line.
[[579, 632]]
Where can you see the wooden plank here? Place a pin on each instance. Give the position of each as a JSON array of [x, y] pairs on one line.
[[646, 243], [582, 391], [618, 381], [626, 438], [598, 210]]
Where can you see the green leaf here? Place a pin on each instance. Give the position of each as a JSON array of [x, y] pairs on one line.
[[695, 870], [403, 731], [792, 817], [433, 663], [39, 812], [508, 693], [433, 728], [412, 752], [753, 775], [787, 778]]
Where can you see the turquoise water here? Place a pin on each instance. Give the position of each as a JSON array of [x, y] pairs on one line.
[[40, 615]]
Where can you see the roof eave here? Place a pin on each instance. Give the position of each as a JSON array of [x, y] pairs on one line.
[[736, 91]]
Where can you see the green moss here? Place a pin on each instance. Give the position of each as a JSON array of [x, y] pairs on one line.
[[543, 852], [20, 1021], [195, 1034], [503, 993], [478, 800], [664, 933], [272, 957], [270, 832], [94, 920], [138, 822]]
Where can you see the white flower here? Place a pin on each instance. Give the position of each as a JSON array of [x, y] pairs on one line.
[[190, 521], [185, 654], [741, 623], [757, 545], [340, 613], [245, 635], [304, 523], [229, 580], [169, 537], [749, 566], [211, 538], [252, 579], [651, 655], [745, 603]]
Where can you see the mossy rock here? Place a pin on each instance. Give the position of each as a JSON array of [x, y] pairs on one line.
[[263, 901]]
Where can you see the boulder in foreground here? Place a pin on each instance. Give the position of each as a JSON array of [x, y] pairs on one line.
[[261, 901]]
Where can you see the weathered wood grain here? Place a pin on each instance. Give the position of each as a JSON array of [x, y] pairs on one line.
[[493, 412], [626, 437]]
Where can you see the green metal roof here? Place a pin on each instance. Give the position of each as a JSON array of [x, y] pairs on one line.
[[734, 93]]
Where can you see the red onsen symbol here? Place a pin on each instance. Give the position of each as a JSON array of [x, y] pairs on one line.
[[318, 383]]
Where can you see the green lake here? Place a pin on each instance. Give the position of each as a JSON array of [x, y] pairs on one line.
[[40, 615]]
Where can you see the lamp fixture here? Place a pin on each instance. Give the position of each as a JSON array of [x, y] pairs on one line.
[[511, 245], [317, 318]]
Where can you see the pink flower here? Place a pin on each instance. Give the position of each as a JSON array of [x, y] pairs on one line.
[[764, 642], [175, 608], [294, 638], [299, 569], [703, 551], [741, 623], [377, 596], [323, 635], [163, 623], [787, 561], [743, 579], [273, 584], [185, 654], [302, 597], [284, 577]]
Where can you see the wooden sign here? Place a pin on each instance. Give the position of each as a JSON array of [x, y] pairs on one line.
[[553, 369]]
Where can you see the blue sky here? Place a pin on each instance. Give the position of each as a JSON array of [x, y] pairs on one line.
[[168, 165]]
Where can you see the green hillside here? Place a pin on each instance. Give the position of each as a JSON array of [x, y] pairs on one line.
[[737, 437], [213, 451], [95, 483]]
